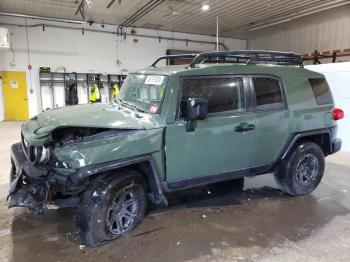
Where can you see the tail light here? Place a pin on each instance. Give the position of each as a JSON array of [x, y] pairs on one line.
[[337, 114]]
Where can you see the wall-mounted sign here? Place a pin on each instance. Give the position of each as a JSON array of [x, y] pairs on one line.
[[14, 84]]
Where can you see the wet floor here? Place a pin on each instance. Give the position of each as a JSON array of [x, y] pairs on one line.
[[256, 224], [259, 223]]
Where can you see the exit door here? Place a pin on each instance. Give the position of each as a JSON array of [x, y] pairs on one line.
[[14, 92]]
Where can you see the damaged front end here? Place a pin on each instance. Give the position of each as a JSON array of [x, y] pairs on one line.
[[34, 180], [52, 169], [29, 184]]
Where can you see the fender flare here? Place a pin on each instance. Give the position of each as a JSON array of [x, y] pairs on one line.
[[294, 138], [157, 196]]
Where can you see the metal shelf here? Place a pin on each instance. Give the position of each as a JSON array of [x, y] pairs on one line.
[[54, 80]]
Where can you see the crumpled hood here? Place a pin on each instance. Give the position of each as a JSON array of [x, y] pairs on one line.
[[89, 115]]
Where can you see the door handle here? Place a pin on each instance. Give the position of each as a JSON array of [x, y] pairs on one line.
[[243, 127]]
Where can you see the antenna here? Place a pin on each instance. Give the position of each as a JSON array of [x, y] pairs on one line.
[[217, 34]]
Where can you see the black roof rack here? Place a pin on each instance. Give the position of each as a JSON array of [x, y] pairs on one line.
[[190, 57], [241, 56], [250, 57]]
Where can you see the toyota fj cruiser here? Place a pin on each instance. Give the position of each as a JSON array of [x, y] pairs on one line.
[[225, 116]]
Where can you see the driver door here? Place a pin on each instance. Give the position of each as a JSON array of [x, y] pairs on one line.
[[216, 146]]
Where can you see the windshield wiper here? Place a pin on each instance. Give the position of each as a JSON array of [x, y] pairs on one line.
[[134, 107], [139, 108]]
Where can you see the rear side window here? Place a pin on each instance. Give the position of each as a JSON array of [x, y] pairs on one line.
[[223, 94], [321, 91], [268, 93]]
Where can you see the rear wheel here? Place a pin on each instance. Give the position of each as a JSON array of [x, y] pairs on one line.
[[111, 207], [302, 171]]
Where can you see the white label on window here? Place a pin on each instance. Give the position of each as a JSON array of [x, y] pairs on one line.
[[154, 80], [14, 84]]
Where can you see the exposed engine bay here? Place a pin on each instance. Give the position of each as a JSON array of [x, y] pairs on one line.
[[67, 135]]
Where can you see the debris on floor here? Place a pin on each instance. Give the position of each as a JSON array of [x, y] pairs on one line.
[[323, 198]]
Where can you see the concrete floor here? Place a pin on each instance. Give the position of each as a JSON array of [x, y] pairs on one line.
[[259, 224]]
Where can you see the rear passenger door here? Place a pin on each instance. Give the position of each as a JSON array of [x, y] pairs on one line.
[[271, 113], [216, 146]]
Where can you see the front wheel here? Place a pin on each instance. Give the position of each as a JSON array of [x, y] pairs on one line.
[[111, 207], [302, 171]]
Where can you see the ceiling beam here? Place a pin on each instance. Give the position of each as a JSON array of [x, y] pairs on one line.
[[80, 9], [112, 2], [45, 18], [145, 9]]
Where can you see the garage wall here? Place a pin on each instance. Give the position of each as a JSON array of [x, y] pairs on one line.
[[305, 37], [338, 77], [91, 52]]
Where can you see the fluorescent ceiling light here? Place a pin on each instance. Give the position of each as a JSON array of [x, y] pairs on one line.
[[205, 7]]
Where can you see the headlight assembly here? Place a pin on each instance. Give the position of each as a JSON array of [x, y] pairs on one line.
[[38, 154], [35, 154], [45, 155]]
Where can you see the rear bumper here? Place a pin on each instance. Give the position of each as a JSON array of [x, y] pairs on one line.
[[336, 145], [336, 142], [29, 186]]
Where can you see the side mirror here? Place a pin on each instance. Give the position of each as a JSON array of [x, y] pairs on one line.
[[196, 109]]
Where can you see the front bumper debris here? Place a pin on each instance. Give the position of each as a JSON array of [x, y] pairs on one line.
[[29, 187]]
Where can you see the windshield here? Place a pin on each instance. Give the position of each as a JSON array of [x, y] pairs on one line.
[[144, 92]]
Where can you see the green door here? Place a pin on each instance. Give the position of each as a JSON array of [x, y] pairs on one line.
[[272, 118], [216, 146]]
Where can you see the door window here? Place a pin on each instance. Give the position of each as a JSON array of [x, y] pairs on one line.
[[223, 94], [268, 93]]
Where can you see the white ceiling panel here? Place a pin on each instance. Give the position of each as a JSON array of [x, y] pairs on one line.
[[237, 18]]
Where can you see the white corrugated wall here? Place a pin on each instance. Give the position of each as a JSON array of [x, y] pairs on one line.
[[338, 77], [322, 32], [305, 38]]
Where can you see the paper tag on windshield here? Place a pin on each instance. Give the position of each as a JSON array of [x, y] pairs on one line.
[[154, 80]]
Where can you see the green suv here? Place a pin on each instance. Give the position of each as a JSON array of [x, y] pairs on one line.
[[223, 116]]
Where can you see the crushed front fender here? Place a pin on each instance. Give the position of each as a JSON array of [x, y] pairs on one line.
[[26, 191]]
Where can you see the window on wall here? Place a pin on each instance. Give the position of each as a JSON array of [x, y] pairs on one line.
[[223, 94], [321, 91], [268, 93]]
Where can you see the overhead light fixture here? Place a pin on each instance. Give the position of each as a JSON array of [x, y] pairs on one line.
[[205, 7], [254, 28]]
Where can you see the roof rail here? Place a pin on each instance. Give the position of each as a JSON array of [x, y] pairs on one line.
[[249, 57], [190, 57]]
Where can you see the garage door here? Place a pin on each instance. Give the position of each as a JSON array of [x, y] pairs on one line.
[[338, 77]]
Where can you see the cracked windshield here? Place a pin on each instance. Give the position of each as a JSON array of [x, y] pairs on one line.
[[143, 92]]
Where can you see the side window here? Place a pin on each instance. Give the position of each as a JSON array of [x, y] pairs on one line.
[[223, 94], [268, 93], [321, 91]]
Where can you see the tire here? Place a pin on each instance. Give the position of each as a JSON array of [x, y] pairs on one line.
[[111, 207], [302, 171]]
